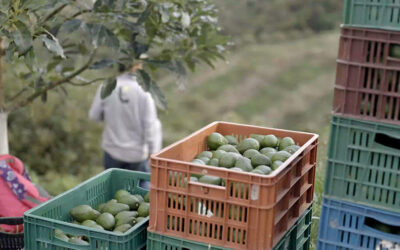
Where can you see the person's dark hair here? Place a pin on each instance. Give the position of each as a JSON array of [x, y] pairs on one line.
[[121, 68]]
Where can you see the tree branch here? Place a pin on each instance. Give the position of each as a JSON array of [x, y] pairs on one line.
[[38, 93], [87, 83], [2, 93], [17, 94], [53, 13]]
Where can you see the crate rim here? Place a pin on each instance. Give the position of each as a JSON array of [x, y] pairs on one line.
[[274, 174], [28, 214]]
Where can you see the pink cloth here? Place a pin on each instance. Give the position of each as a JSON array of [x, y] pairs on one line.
[[18, 194]]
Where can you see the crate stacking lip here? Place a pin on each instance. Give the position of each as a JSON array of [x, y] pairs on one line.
[[379, 14], [11, 241], [250, 212], [364, 163], [367, 77], [41, 221], [346, 225], [298, 237]]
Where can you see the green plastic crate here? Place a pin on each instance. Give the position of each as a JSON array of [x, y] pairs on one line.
[[376, 14], [364, 163], [40, 222], [298, 237]]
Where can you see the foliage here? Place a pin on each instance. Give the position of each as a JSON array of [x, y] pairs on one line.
[[57, 42], [261, 19]]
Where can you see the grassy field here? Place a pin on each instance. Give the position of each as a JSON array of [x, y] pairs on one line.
[[287, 85]]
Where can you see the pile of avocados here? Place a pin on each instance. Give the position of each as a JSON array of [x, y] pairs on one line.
[[258, 154], [117, 215]]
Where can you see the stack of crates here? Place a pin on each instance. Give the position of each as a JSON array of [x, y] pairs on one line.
[[361, 206], [250, 211]]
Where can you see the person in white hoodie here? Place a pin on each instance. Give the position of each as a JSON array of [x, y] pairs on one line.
[[132, 130]]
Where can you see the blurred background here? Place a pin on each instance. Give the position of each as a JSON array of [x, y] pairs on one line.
[[279, 73]]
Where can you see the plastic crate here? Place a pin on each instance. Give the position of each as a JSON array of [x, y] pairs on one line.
[[369, 46], [364, 163], [266, 206], [298, 237], [367, 91], [345, 225], [40, 222], [11, 241], [379, 14]]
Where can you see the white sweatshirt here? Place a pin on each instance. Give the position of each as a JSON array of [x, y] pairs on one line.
[[132, 130]]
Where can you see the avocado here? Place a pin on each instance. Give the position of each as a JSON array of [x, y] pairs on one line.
[[213, 162], [198, 161], [115, 208], [276, 164], [139, 197], [267, 151], [204, 159], [228, 148], [250, 153], [207, 154], [125, 214], [218, 154], [286, 142], [208, 179], [139, 219], [237, 169], [264, 169], [244, 164], [280, 156], [227, 161], [61, 235], [121, 193], [216, 140], [248, 143], [130, 200], [232, 140], [106, 220], [270, 141], [292, 149], [144, 209], [83, 212], [122, 228], [100, 207], [260, 159], [125, 220], [257, 171], [78, 241], [147, 197], [258, 137]]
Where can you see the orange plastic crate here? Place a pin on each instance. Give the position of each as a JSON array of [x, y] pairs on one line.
[[250, 212]]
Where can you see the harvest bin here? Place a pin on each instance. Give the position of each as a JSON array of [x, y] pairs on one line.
[[41, 221], [346, 225], [367, 90], [266, 206], [364, 163], [380, 14], [298, 237]]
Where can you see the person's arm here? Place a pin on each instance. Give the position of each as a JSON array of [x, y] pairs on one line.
[[96, 110], [150, 124]]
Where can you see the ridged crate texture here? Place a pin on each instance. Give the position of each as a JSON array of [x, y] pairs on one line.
[[41, 221], [364, 163], [350, 226], [298, 237], [367, 91], [379, 14], [264, 207]]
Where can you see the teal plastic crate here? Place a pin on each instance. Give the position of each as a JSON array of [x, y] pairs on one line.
[[364, 163], [40, 222], [298, 237], [375, 14]]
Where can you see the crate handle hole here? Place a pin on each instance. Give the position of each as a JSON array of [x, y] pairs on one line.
[[383, 227], [387, 140]]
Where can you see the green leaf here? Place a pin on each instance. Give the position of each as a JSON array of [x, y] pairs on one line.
[[105, 63], [22, 37], [102, 36], [158, 96], [108, 88], [144, 79], [71, 25], [34, 4], [53, 45]]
